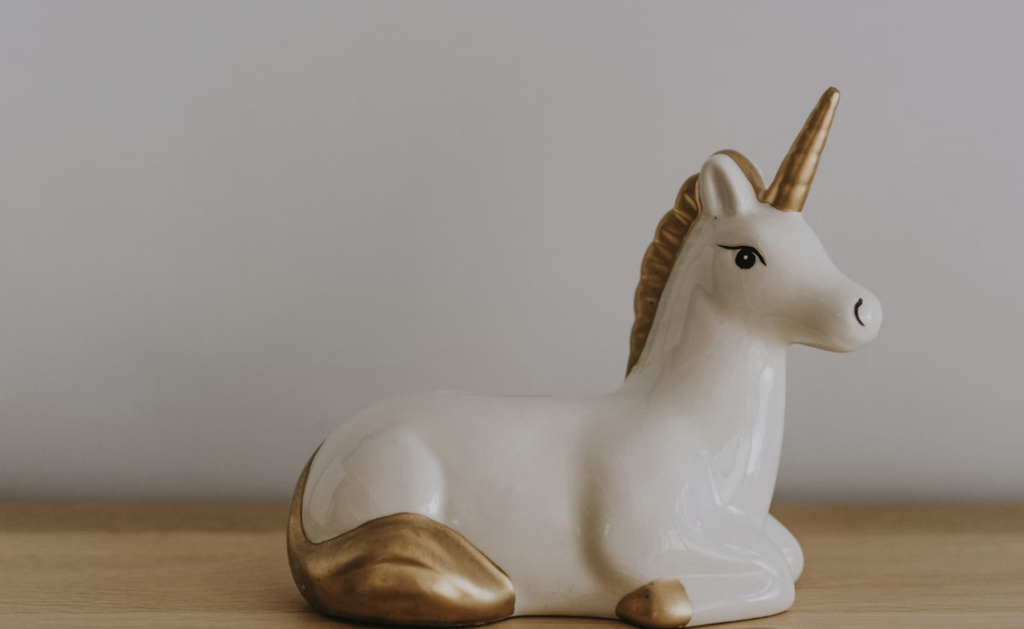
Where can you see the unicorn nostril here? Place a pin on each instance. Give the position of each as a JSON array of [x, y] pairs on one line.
[[856, 311]]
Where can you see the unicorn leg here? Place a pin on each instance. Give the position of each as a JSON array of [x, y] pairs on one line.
[[697, 583], [787, 544], [702, 598], [661, 604]]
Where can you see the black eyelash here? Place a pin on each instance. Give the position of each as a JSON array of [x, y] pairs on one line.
[[737, 247]]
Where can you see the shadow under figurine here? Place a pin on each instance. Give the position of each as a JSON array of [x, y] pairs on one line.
[[650, 503]]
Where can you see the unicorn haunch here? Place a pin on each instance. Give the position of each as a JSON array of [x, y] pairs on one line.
[[650, 503]]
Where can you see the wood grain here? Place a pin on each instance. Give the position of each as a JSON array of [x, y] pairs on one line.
[[160, 566]]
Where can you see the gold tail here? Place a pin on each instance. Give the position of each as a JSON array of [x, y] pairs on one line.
[[401, 569]]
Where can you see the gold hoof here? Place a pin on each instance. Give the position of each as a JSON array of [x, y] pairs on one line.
[[402, 569], [661, 604]]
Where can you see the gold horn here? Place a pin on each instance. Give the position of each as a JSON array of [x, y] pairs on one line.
[[788, 191]]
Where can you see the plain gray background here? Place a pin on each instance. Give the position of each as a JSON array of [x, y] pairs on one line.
[[224, 227]]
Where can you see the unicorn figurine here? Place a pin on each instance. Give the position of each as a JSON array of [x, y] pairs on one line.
[[649, 503]]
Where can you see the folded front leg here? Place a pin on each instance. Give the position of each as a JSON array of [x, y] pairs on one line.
[[787, 544]]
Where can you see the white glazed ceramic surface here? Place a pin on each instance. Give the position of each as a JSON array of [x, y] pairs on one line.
[[583, 500]]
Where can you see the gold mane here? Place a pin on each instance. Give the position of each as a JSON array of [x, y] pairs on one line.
[[661, 255]]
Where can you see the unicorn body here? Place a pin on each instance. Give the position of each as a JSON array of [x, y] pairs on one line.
[[649, 503]]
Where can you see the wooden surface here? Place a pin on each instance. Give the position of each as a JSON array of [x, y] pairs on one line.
[[225, 566]]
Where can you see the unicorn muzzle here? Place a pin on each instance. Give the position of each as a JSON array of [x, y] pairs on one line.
[[850, 319], [857, 324], [867, 314]]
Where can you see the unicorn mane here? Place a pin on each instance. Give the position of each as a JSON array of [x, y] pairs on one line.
[[662, 253]]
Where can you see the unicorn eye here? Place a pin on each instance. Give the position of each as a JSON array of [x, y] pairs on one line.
[[746, 257]]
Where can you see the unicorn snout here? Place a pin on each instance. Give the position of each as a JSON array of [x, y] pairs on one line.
[[849, 320], [867, 316]]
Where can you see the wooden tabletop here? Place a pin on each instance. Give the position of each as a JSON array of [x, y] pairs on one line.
[[225, 566]]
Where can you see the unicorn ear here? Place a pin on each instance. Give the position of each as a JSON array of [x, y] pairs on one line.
[[724, 189]]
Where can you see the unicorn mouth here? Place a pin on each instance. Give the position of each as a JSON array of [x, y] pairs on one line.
[[856, 312]]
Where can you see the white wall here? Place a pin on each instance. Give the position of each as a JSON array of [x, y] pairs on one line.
[[224, 227]]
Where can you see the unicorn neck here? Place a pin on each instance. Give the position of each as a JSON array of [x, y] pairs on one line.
[[715, 371]]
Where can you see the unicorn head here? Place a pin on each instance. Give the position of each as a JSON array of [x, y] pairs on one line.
[[763, 265]]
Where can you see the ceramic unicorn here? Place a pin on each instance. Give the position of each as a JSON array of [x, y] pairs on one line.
[[649, 503]]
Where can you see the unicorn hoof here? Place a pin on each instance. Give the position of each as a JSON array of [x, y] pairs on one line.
[[402, 569], [661, 604]]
